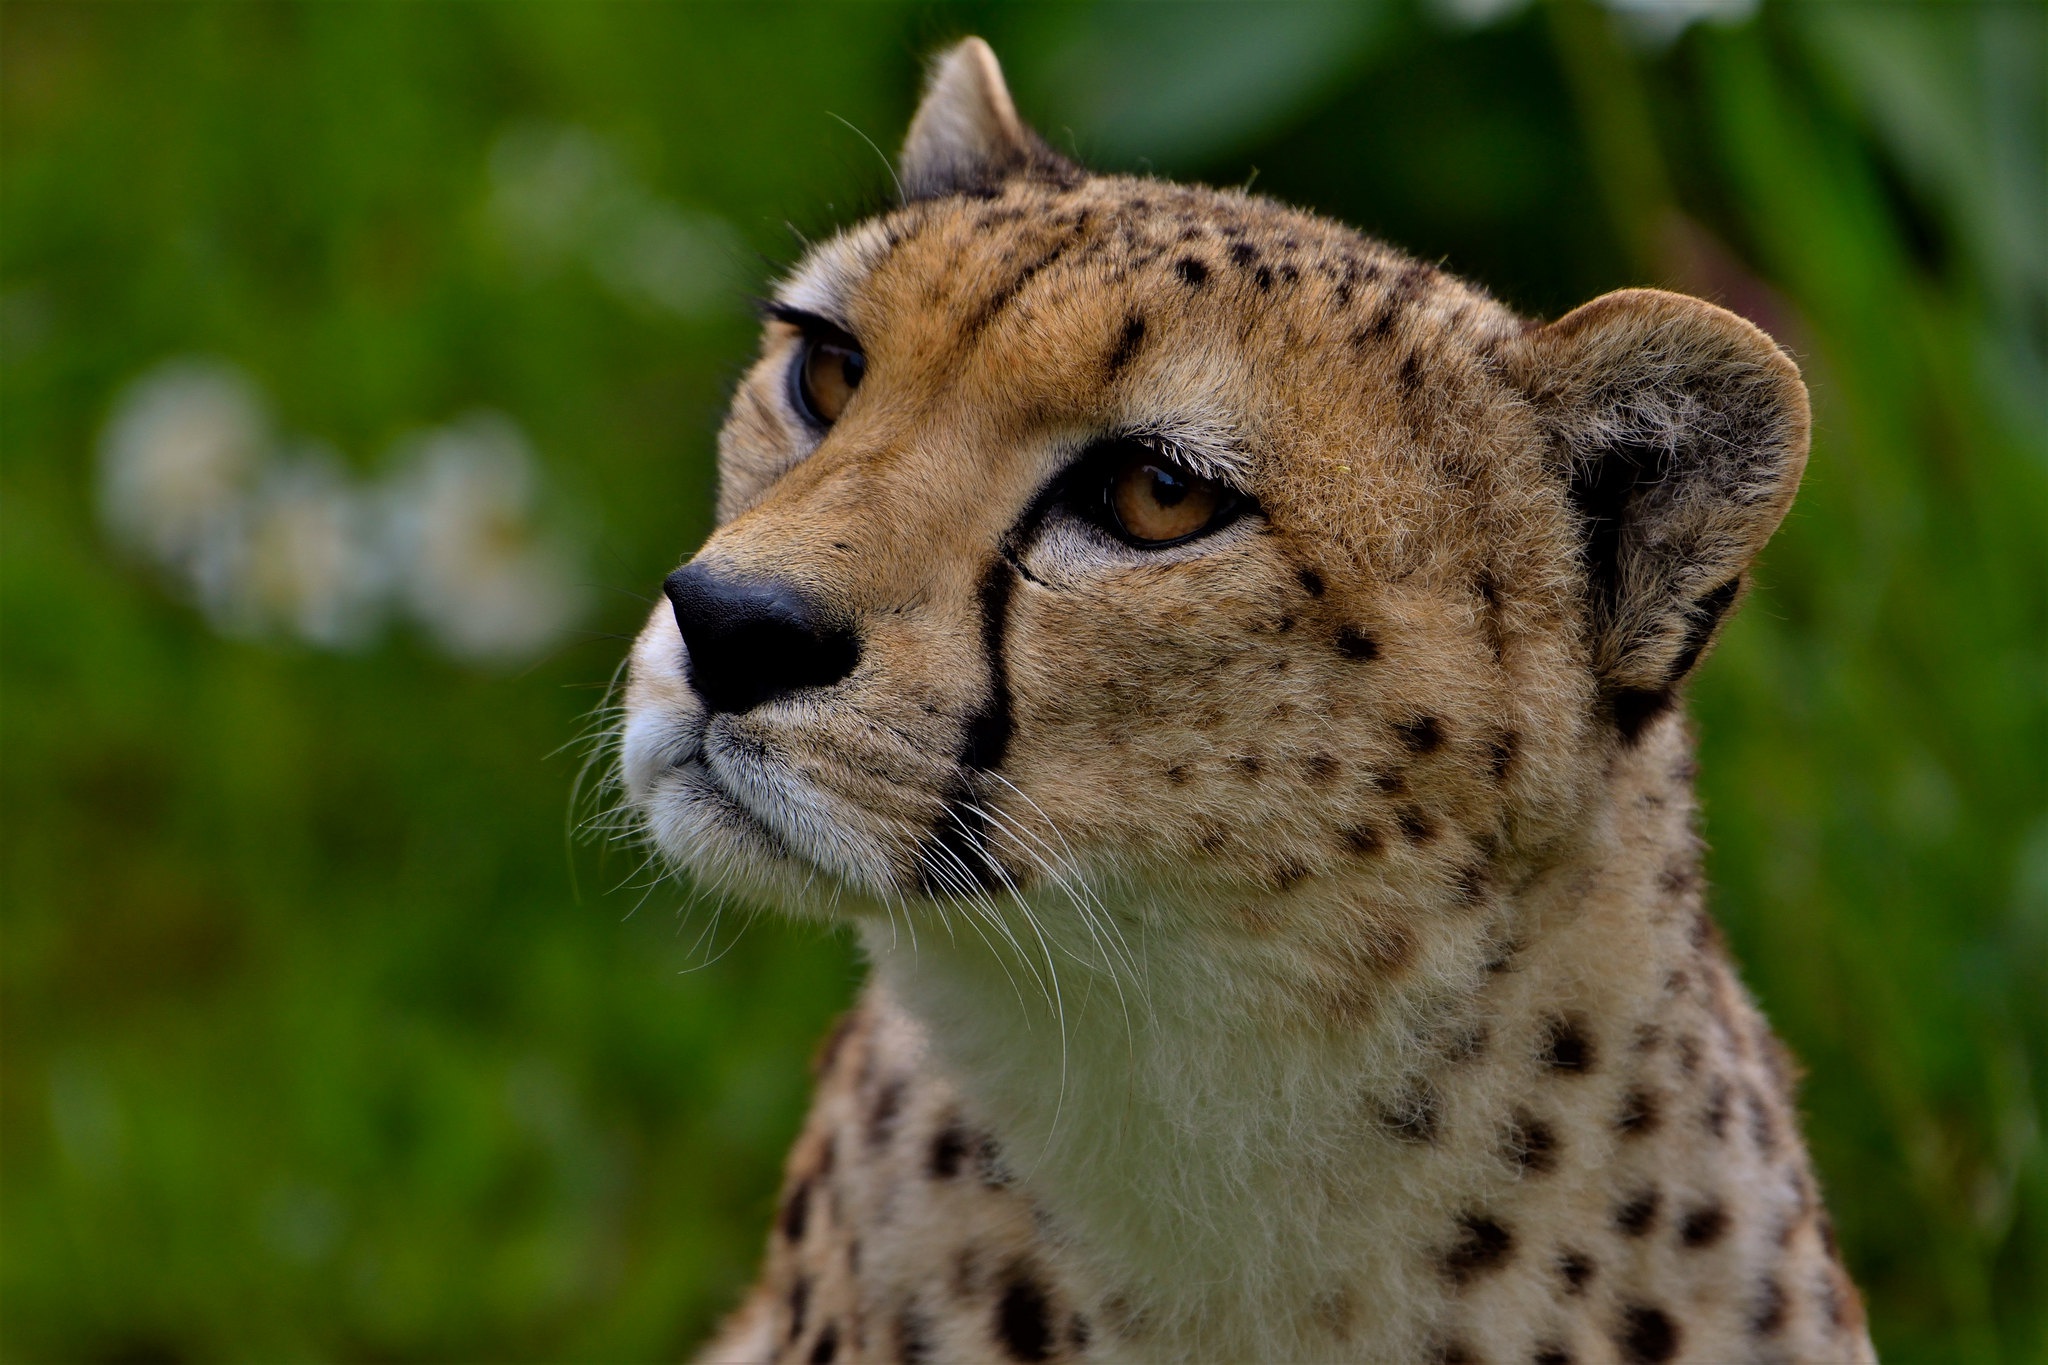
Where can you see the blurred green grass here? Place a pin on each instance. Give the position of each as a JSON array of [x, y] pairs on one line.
[[320, 1038]]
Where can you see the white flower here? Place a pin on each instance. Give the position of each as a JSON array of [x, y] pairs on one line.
[[468, 561], [177, 457], [306, 558]]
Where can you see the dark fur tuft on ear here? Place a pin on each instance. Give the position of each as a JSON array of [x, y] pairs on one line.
[[966, 137], [1682, 432]]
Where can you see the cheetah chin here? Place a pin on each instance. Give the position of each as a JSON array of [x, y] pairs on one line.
[[1229, 674]]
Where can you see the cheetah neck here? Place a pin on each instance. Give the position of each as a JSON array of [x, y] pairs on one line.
[[1256, 1175]]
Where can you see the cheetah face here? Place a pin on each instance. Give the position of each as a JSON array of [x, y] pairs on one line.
[[1097, 525]]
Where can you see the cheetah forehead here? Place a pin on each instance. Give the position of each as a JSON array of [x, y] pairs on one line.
[[1108, 244]]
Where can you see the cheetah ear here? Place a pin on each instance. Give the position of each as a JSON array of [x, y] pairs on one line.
[[966, 137], [1682, 432]]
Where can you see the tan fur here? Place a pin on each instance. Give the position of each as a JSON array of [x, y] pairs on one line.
[[1318, 968]]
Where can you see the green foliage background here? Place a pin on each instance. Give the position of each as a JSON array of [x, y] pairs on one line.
[[319, 1038]]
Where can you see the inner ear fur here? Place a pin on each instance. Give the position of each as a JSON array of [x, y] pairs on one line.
[[966, 137], [1681, 431]]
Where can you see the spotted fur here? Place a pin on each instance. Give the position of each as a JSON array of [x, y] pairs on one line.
[[1289, 944]]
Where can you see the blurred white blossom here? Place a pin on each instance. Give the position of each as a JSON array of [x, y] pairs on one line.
[[302, 558], [563, 194], [176, 460], [274, 541], [471, 563]]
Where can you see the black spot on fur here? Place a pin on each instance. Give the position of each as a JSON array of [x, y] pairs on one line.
[[1022, 1324], [949, 1149], [1763, 1125], [1177, 774], [1263, 278], [799, 1305], [1423, 735], [1531, 1144], [1646, 1336], [1364, 840], [1126, 346], [1415, 825], [1577, 1268], [1244, 254], [1483, 1246], [796, 1211], [1688, 1054], [988, 1161], [882, 1117], [1247, 765], [1638, 1214], [1767, 1313], [1489, 612], [1079, 1333], [1410, 377], [1191, 271], [913, 1337], [1714, 1118], [1566, 1047], [1311, 581], [1470, 884], [1640, 1113], [1382, 322], [1550, 1353], [1500, 756], [1354, 643], [826, 1349], [1703, 1226]]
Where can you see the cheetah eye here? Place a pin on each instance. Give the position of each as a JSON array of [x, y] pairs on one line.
[[1152, 500], [828, 370], [829, 364]]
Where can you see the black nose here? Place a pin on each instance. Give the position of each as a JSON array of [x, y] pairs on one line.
[[754, 639]]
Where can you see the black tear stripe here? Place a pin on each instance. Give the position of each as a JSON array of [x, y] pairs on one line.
[[961, 832]]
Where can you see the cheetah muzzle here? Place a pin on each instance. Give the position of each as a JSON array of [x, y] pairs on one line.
[[1227, 672]]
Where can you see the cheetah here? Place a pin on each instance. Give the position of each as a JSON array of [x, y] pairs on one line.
[[1228, 675]]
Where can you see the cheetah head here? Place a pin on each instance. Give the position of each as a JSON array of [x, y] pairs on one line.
[[1077, 527]]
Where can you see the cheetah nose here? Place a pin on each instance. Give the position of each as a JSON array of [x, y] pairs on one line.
[[754, 639]]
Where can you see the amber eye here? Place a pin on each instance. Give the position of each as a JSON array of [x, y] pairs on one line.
[[1155, 501], [827, 373]]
